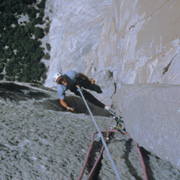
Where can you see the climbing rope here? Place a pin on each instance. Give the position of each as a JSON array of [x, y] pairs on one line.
[[117, 129], [142, 162], [100, 134], [87, 157], [101, 153]]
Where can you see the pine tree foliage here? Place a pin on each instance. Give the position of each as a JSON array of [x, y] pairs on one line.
[[20, 45]]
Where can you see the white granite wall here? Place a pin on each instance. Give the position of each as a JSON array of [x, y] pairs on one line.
[[115, 41], [151, 113]]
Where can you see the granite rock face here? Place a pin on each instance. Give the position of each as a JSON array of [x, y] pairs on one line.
[[118, 42], [41, 141], [152, 116], [115, 41]]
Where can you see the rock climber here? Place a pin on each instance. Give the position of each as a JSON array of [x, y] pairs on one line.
[[69, 81]]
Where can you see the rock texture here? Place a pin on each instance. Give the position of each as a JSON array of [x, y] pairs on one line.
[[40, 141], [117, 42], [152, 116]]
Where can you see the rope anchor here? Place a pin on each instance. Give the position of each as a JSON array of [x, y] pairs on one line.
[[100, 134], [118, 128], [119, 123]]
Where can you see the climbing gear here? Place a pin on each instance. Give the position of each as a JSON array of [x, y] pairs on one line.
[[100, 134], [107, 108], [118, 119], [119, 123], [111, 110], [117, 129], [56, 76]]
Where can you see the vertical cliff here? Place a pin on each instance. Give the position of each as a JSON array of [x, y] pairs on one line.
[[118, 42], [84, 37]]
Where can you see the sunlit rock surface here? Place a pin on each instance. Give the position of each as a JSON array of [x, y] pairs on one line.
[[116, 42], [152, 116]]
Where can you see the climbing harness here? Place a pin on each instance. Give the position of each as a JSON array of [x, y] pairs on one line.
[[118, 128], [100, 134]]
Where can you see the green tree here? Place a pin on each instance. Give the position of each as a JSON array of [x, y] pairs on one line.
[[1, 67], [39, 32], [46, 56], [42, 4], [32, 14], [24, 63], [48, 46]]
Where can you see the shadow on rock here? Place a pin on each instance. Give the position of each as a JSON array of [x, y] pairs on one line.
[[132, 169], [77, 103], [147, 162], [16, 92]]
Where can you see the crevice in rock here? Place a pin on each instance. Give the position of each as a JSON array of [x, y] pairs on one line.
[[77, 103], [97, 146], [167, 67], [108, 75], [146, 17], [115, 88], [93, 156], [156, 10], [132, 170], [146, 159]]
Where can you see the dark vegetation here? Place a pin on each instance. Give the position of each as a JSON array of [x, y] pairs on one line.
[[20, 45]]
